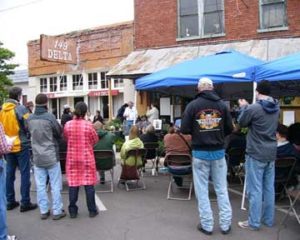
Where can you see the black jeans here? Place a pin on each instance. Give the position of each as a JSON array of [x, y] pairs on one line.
[[90, 199]]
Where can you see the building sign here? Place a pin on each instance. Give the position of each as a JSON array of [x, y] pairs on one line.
[[98, 93], [50, 95], [58, 49]]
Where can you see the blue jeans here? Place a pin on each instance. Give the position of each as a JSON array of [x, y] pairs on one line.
[[218, 170], [22, 161], [260, 192], [90, 199], [3, 226], [55, 177], [127, 126]]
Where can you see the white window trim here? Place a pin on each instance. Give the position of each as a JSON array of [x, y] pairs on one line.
[[60, 90], [271, 29], [97, 82], [114, 83], [200, 23]]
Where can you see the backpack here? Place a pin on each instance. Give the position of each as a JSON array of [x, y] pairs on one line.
[[9, 120]]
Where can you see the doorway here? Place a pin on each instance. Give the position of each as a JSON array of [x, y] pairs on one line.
[[78, 99], [104, 106]]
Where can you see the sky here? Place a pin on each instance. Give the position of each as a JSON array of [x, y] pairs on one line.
[[24, 20]]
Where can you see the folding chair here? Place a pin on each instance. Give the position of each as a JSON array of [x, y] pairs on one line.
[[179, 165], [152, 155], [235, 161], [132, 174], [105, 161], [284, 168], [293, 196]]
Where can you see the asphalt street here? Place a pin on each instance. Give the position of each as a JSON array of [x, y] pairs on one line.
[[142, 215]]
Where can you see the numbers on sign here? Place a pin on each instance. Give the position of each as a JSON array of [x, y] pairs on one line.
[[59, 44]]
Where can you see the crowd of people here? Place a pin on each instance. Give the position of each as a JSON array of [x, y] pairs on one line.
[[205, 132]]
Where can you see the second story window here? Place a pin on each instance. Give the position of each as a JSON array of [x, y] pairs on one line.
[[200, 18], [103, 80], [93, 80], [53, 84], [77, 82], [272, 14], [63, 83], [118, 83], [43, 85]]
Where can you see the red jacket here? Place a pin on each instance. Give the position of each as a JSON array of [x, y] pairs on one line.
[[80, 165]]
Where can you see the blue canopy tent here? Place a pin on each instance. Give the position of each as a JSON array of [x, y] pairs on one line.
[[284, 74], [228, 67]]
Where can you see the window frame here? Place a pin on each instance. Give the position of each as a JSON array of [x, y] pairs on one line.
[[63, 85], [53, 84], [79, 80], [105, 80], [94, 82], [277, 28], [44, 85], [118, 83], [201, 14]]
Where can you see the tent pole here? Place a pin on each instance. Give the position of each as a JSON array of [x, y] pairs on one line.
[[254, 92], [135, 103], [244, 188]]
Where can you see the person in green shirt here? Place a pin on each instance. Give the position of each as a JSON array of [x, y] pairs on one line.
[[134, 142], [106, 142]]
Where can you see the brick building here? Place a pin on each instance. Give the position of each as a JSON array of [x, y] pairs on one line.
[[96, 50], [170, 31]]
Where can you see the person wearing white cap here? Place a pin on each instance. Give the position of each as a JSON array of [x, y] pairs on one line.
[[208, 120], [66, 116]]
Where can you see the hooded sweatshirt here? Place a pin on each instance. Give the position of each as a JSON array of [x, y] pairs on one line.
[[13, 117], [262, 119], [208, 120], [106, 140]]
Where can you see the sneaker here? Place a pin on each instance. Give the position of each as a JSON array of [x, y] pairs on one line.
[[29, 207], [11, 237], [44, 216], [245, 225], [59, 216], [13, 205], [93, 214], [225, 232], [199, 227]]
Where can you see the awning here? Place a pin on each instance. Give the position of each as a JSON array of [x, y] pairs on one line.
[[143, 62]]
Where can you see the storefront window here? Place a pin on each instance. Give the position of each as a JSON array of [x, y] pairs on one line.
[[43, 85], [93, 78], [77, 82], [63, 83], [53, 84]]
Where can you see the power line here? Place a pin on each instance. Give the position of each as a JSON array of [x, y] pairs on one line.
[[19, 6]]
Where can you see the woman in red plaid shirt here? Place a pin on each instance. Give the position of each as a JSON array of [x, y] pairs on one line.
[[80, 165]]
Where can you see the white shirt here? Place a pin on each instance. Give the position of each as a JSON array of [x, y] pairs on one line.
[[152, 114], [130, 113]]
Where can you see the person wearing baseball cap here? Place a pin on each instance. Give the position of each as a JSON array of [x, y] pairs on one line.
[[208, 120], [66, 116]]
